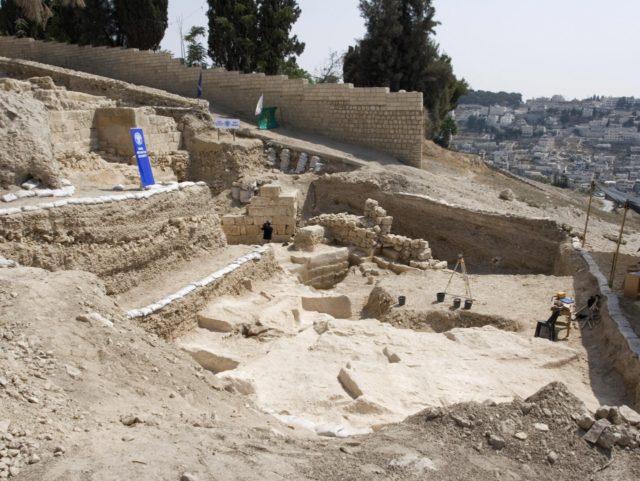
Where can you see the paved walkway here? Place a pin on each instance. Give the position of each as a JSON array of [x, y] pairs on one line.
[[313, 144]]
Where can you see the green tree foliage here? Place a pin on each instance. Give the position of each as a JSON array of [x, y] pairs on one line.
[[142, 22], [196, 52], [291, 69], [331, 70], [233, 34], [255, 35], [486, 98], [14, 22], [448, 129], [94, 25], [39, 11], [90, 22], [276, 45], [399, 52]]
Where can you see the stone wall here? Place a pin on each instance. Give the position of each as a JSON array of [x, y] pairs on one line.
[[492, 243], [122, 92], [108, 129], [372, 234], [323, 268], [271, 204], [372, 117], [113, 127], [71, 131]]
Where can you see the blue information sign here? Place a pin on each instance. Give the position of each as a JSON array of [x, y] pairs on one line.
[[144, 165]]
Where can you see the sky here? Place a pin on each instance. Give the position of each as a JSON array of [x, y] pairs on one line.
[[575, 48]]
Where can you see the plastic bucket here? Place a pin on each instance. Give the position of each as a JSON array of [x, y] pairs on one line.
[[468, 303], [402, 300], [456, 302], [440, 296]]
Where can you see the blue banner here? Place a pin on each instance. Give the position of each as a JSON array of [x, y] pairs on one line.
[[144, 165]]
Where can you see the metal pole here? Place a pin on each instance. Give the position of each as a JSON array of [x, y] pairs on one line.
[[586, 223], [615, 256]]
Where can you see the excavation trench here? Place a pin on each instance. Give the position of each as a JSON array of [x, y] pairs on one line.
[[491, 243]]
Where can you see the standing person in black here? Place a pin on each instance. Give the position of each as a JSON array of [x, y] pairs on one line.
[[267, 231]]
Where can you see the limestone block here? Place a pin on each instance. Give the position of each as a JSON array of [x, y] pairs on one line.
[[209, 360], [270, 191], [308, 237], [252, 230], [257, 211], [419, 265], [315, 160], [302, 163], [336, 306], [231, 230], [245, 196], [425, 255], [349, 384], [285, 158], [230, 219], [271, 155]]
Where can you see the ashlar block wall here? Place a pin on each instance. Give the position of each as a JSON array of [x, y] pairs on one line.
[[370, 117]]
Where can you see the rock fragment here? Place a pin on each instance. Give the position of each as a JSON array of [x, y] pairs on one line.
[[496, 442]]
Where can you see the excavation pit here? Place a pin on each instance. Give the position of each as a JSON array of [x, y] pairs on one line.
[[510, 303]]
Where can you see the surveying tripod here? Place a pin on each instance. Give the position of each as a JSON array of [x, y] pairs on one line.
[[463, 270]]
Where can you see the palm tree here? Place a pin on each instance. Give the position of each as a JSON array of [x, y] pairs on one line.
[[39, 11]]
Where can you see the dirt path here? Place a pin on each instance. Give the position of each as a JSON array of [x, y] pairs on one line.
[[189, 271]]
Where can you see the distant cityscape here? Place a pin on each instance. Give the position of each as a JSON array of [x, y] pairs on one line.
[[561, 142]]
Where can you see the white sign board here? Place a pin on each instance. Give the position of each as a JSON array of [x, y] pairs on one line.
[[227, 123]]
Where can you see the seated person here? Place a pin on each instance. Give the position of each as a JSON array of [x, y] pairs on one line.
[[561, 305]]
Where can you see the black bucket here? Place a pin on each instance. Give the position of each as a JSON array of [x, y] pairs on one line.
[[468, 303], [402, 300], [440, 296], [456, 302]]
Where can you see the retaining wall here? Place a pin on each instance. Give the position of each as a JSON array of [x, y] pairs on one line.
[[371, 117], [619, 338]]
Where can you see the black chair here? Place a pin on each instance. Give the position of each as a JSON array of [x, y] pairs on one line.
[[549, 325]]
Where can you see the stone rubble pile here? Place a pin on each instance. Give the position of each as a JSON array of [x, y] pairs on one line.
[[244, 190], [27, 380], [31, 189], [17, 450], [372, 234], [611, 426]]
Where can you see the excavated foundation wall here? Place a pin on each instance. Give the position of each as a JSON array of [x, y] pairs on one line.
[[124, 242], [491, 243], [180, 317]]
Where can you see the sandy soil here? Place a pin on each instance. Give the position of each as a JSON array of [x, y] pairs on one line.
[[86, 394]]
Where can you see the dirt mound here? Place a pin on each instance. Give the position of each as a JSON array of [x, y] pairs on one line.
[[435, 158], [25, 146], [86, 394], [522, 440]]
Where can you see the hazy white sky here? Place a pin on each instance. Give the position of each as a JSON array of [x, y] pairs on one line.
[[576, 48]]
